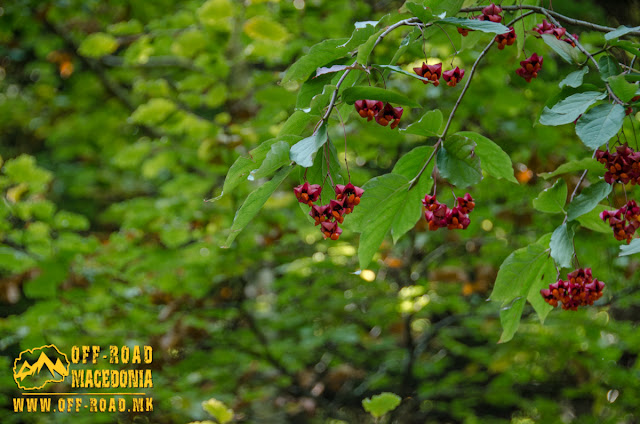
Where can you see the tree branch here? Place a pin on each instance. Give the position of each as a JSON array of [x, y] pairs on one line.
[[556, 15], [437, 146]]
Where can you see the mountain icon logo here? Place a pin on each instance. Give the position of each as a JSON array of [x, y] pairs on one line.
[[36, 367]]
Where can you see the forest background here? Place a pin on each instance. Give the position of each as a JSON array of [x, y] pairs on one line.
[[119, 118]]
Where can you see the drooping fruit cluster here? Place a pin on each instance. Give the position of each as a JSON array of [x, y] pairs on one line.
[[489, 13], [384, 114], [453, 76], [439, 215], [624, 222], [530, 67], [558, 32], [506, 39], [623, 165], [329, 216], [434, 72], [430, 72], [581, 289]]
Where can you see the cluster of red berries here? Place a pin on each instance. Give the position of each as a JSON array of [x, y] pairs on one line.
[[439, 215], [624, 222], [558, 32], [489, 13], [623, 165], [329, 216], [382, 113], [581, 290], [530, 67], [434, 72], [506, 39]]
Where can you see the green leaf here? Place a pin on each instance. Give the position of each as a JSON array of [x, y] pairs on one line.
[[492, 158], [620, 31], [130, 27], [592, 221], [552, 199], [264, 28], [362, 32], [312, 87], [381, 404], [154, 112], [621, 88], [365, 49], [574, 79], [521, 277], [65, 220], [632, 77], [45, 285], [241, 168], [320, 101], [428, 126], [588, 199], [510, 318], [449, 7], [631, 248], [562, 245], [218, 410], [420, 12], [575, 165], [474, 24], [277, 157], [458, 163], [600, 124], [383, 197], [295, 124], [404, 45], [319, 55], [98, 44], [15, 261], [608, 67], [564, 50], [569, 109], [213, 12], [304, 151], [627, 46], [254, 202], [410, 212], [352, 94], [24, 169], [399, 70]]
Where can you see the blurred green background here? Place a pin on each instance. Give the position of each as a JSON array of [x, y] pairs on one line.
[[118, 118]]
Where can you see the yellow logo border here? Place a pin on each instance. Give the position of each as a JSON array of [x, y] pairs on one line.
[[15, 364]]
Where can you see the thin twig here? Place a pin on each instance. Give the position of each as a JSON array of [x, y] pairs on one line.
[[580, 47], [344, 129], [634, 131], [334, 96], [556, 15], [438, 144], [450, 40]]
